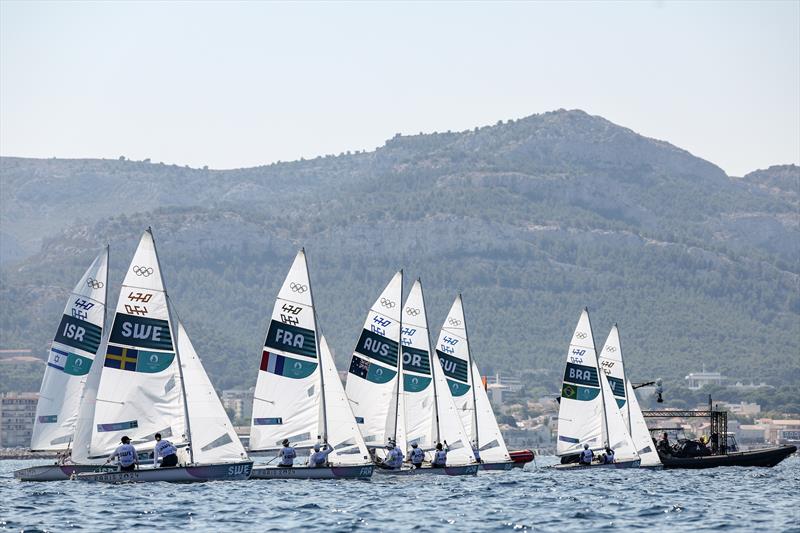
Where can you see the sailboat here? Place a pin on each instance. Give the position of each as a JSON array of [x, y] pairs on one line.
[[373, 387], [466, 387], [426, 405], [588, 412], [71, 357], [612, 365], [299, 395], [150, 384]]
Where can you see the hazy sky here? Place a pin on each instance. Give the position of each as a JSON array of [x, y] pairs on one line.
[[241, 84]]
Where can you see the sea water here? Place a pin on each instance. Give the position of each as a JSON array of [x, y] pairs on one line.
[[537, 498]]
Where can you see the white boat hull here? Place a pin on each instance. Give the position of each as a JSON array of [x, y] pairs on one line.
[[58, 472], [178, 474], [463, 470], [578, 466], [304, 472]]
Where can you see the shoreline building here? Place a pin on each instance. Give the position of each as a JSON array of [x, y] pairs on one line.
[[17, 412]]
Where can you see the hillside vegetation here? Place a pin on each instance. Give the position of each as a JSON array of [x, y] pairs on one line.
[[531, 219]]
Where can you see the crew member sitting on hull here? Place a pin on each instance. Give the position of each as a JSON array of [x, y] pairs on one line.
[[126, 455], [440, 456], [287, 454], [166, 451], [586, 455], [320, 456], [416, 456], [394, 457], [608, 458]]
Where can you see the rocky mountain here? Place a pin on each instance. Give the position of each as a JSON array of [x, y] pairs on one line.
[[532, 219]]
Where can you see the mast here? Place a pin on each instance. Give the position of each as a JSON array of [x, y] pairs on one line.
[[625, 383], [174, 332], [431, 355], [599, 380], [399, 362], [469, 373], [319, 355]]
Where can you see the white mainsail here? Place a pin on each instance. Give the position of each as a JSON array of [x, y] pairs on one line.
[[287, 399], [639, 432], [612, 364], [419, 394], [214, 439], [616, 408], [139, 392], [431, 414], [580, 413], [466, 387], [71, 356], [373, 387]]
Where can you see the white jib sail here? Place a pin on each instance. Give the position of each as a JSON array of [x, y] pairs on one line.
[[214, 439], [491, 445], [372, 380], [343, 433], [580, 413], [287, 400], [616, 407], [71, 355], [139, 392], [452, 351], [639, 432], [418, 390]]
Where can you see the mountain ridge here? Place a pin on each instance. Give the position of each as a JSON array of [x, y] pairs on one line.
[[532, 218]]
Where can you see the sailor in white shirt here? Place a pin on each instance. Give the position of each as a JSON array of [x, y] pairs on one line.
[[166, 451], [126, 454], [586, 455], [440, 456], [416, 456], [287, 454], [320, 456], [394, 457]]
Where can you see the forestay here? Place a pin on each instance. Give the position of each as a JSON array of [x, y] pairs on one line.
[[139, 392], [616, 408], [373, 386], [214, 439], [70, 359], [287, 399], [580, 413]]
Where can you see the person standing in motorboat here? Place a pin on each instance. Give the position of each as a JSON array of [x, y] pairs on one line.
[[320, 455], [166, 450], [287, 454], [126, 456], [586, 456], [440, 456], [416, 456]]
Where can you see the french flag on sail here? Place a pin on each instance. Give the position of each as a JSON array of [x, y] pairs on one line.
[[272, 363]]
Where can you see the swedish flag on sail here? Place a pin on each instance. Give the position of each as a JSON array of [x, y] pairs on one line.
[[135, 360]]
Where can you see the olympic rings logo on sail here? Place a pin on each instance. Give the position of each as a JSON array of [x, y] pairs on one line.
[[385, 302], [298, 287], [581, 335], [412, 311], [611, 349], [93, 283], [454, 322], [142, 271]]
